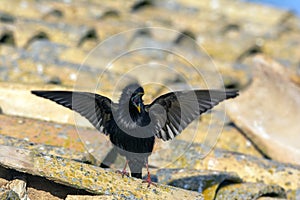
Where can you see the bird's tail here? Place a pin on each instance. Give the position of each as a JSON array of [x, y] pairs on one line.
[[137, 175]]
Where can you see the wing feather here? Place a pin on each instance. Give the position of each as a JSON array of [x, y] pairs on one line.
[[181, 108], [95, 108]]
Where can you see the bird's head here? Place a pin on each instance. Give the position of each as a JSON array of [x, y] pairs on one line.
[[134, 93], [136, 99]]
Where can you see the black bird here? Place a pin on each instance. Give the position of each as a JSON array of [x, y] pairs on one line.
[[131, 125]]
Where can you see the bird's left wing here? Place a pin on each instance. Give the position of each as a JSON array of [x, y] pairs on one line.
[[174, 111], [95, 108]]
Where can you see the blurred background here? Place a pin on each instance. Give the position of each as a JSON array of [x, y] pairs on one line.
[[287, 5], [99, 46]]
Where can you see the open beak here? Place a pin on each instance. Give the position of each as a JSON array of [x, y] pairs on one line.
[[137, 101], [138, 108]]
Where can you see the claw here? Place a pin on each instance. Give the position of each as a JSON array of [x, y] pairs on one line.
[[149, 181], [123, 172]]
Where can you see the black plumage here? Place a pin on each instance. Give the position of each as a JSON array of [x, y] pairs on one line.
[[131, 125]]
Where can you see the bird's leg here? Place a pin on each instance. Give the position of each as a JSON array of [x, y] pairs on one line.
[[148, 179], [124, 172]]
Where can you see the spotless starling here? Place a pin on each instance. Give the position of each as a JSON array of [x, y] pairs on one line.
[[133, 126]]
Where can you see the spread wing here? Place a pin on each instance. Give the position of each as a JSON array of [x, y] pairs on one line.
[[94, 107], [173, 112]]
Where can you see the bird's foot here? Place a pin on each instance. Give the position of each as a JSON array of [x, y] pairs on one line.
[[149, 181], [123, 172]]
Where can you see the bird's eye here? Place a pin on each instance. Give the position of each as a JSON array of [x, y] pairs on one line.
[[136, 98]]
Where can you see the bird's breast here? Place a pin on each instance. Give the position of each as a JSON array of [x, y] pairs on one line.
[[132, 140]]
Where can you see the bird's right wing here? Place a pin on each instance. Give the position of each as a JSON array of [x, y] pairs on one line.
[[94, 107], [174, 111]]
